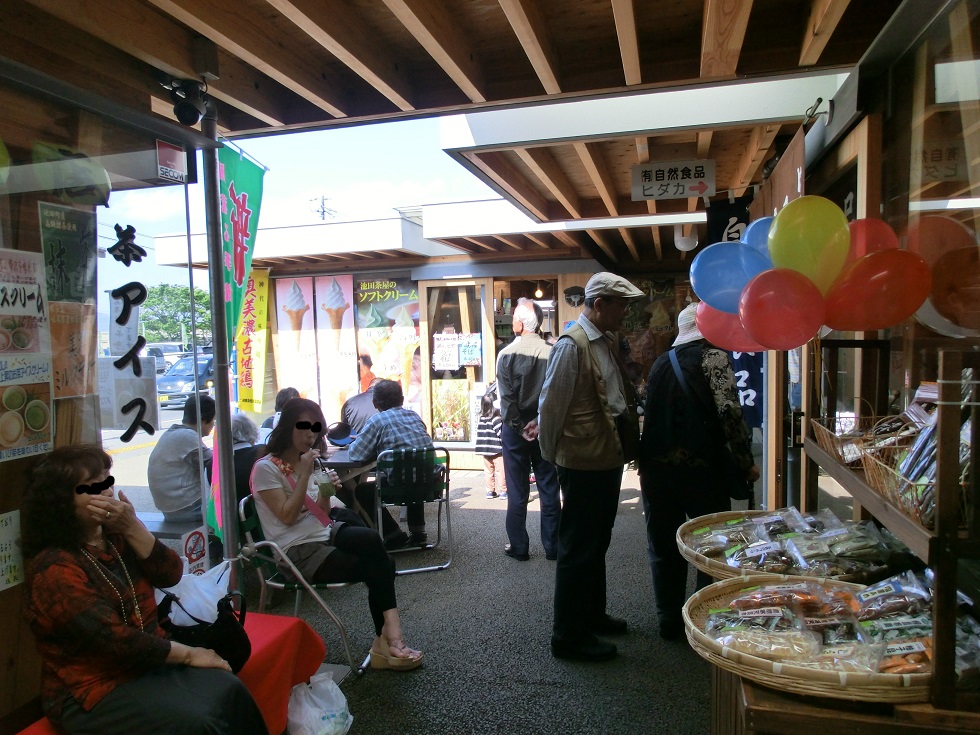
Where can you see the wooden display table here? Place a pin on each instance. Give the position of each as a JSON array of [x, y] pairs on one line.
[[742, 707]]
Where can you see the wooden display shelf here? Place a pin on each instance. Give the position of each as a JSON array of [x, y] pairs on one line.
[[746, 708], [912, 533]]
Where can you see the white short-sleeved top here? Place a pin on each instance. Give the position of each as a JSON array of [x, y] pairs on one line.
[[266, 476]]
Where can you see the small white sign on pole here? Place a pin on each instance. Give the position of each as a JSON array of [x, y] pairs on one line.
[[673, 180], [195, 546]]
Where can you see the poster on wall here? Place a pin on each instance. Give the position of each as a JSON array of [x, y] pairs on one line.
[[73, 334], [250, 343], [387, 313], [336, 343], [451, 411], [11, 558], [297, 359], [68, 241], [26, 408]]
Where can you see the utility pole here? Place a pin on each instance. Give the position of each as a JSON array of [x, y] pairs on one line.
[[319, 207]]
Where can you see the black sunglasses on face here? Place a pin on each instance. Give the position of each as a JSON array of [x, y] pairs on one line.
[[96, 488], [316, 427]]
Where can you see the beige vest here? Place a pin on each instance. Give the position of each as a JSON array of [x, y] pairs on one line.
[[589, 439]]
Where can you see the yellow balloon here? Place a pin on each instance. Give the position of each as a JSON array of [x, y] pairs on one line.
[[810, 235]]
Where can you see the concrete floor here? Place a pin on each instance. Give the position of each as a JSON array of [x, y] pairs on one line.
[[485, 627]]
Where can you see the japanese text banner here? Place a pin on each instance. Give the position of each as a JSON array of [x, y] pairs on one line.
[[250, 344], [240, 193]]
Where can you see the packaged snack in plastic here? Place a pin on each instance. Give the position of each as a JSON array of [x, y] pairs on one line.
[[859, 541], [823, 520], [903, 593], [854, 657], [762, 556], [806, 551], [804, 597], [781, 522], [897, 627], [771, 619], [790, 645], [834, 629], [715, 540], [909, 656]]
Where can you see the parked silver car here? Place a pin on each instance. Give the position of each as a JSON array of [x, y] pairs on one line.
[[176, 385]]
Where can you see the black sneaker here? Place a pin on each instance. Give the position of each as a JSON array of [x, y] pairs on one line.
[[396, 540], [671, 629], [509, 550], [589, 649], [418, 538]]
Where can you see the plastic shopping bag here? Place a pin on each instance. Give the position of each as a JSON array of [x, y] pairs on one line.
[[198, 594], [318, 708]]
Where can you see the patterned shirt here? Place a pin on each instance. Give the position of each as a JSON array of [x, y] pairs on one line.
[[396, 428], [87, 646]]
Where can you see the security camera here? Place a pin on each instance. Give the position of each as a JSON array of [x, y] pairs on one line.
[[189, 100]]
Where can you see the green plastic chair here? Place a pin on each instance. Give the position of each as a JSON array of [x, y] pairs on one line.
[[407, 476], [268, 560]]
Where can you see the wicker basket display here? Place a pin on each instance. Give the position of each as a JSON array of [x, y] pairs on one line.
[[841, 437], [717, 569], [885, 688]]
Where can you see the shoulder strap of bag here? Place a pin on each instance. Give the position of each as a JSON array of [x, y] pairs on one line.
[[691, 395]]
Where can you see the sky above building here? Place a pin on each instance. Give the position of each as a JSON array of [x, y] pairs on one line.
[[358, 172]]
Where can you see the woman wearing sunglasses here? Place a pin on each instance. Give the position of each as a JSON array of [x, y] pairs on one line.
[[91, 570], [322, 549]]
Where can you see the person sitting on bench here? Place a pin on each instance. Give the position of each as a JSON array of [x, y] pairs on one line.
[[174, 470]]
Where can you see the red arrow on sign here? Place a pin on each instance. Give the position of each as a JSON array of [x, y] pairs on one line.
[[701, 188]]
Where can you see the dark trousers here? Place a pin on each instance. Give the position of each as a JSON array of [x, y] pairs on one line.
[[416, 512], [671, 495], [520, 456], [360, 556], [170, 699], [588, 512]]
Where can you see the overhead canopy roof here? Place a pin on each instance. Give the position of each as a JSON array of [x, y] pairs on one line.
[[285, 65]]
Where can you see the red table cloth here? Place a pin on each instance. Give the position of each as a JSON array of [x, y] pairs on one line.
[[285, 652]]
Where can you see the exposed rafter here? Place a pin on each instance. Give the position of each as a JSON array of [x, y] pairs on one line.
[[352, 43], [722, 36], [546, 168], [754, 156], [529, 25], [433, 27], [235, 29], [629, 47], [824, 17]]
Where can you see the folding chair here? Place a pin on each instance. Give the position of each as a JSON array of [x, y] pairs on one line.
[[406, 476], [267, 558]]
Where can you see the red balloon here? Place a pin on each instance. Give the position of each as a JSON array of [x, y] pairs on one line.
[[781, 309], [878, 291], [870, 236], [724, 330]]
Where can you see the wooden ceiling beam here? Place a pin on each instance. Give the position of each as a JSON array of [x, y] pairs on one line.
[[513, 241], [543, 164], [630, 243], [601, 239], [512, 181], [704, 143], [624, 14], [538, 239], [434, 28], [755, 154], [242, 33], [352, 42], [722, 36], [481, 244], [532, 32], [591, 156], [824, 17], [168, 46]]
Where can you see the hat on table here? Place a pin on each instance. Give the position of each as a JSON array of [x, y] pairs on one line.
[[687, 326], [340, 434], [609, 284]]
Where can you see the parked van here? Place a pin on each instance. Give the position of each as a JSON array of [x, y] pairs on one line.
[[169, 351]]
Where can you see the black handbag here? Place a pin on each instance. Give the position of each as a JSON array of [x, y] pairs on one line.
[[739, 487], [226, 636]]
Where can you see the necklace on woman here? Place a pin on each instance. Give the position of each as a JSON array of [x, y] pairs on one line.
[[132, 587]]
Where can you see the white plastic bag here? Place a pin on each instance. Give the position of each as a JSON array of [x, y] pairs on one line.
[[198, 594], [318, 708]]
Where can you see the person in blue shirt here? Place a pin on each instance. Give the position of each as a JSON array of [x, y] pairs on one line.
[[393, 427]]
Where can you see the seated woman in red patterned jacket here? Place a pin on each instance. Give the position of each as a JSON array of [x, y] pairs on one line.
[[107, 666]]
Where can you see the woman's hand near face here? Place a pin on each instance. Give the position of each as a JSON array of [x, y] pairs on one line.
[[119, 516], [306, 462]]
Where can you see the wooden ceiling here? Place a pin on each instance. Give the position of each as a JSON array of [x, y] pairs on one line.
[[287, 65]]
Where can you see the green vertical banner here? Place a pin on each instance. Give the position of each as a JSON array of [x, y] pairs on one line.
[[240, 190]]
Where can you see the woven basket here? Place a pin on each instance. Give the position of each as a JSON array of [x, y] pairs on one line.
[[887, 688], [713, 567], [841, 437]]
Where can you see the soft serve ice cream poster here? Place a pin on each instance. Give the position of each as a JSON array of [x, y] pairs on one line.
[[296, 353], [336, 343], [388, 332], [26, 416]]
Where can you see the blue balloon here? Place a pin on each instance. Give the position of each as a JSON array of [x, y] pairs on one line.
[[721, 271], [757, 237]]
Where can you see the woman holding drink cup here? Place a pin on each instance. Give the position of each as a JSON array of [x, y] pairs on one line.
[[323, 549]]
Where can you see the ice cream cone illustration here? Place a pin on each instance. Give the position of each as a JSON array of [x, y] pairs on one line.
[[295, 308], [335, 305]]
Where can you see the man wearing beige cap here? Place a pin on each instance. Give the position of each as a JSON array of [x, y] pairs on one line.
[[587, 426]]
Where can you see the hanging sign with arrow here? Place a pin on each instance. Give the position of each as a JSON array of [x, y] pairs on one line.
[[673, 180]]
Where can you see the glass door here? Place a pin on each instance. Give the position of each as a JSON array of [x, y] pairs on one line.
[[457, 331]]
